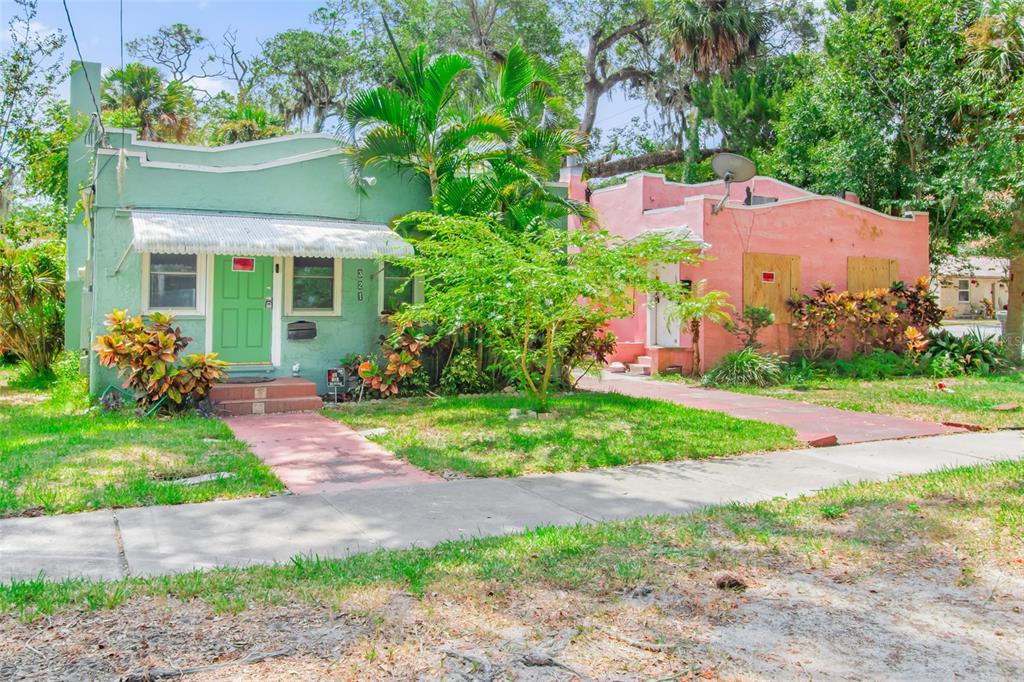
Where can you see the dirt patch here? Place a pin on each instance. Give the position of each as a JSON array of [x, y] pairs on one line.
[[846, 621]]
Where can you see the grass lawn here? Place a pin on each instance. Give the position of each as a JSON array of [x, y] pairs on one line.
[[917, 578], [969, 401], [57, 457], [474, 435]]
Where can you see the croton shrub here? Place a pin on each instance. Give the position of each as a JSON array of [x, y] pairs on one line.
[[893, 319], [147, 354], [401, 351]]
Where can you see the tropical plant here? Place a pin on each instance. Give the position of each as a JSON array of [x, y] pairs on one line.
[[148, 355], [971, 353], [165, 110], [247, 122], [820, 321], [746, 367], [591, 348], [713, 36], [530, 290], [32, 303], [692, 305], [417, 125]]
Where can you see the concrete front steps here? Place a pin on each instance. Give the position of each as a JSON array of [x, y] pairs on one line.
[[641, 366], [287, 394]]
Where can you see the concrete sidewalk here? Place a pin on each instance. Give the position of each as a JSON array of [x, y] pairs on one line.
[[155, 540], [814, 424]]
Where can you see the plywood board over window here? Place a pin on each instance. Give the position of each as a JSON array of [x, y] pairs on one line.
[[769, 280], [863, 273]]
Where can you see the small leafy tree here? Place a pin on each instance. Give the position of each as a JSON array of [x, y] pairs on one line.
[[532, 290], [753, 321], [148, 357], [692, 305]]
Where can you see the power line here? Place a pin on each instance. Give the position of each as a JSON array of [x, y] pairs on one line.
[[81, 60]]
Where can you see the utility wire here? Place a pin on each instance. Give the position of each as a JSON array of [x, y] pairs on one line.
[[81, 60]]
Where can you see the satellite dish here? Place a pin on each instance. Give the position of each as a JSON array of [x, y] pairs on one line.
[[731, 168]]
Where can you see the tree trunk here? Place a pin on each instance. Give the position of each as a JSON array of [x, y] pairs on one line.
[[604, 169], [1014, 335], [695, 334]]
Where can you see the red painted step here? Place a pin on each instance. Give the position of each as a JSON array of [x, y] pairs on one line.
[[288, 394]]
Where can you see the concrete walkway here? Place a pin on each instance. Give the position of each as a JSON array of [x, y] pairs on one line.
[[814, 424], [156, 540], [313, 454]]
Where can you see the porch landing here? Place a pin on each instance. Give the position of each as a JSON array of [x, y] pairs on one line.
[[814, 424], [313, 454]]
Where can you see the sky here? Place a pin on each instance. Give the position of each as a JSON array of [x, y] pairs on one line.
[[97, 27]]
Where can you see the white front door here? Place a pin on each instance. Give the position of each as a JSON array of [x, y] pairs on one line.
[[661, 330]]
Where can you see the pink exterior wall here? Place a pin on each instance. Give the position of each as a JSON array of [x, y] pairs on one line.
[[823, 231]]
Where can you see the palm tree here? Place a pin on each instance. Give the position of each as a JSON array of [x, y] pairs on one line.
[[714, 36], [996, 42], [247, 122], [692, 306], [421, 125], [163, 110]]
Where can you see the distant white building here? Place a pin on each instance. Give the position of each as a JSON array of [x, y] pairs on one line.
[[973, 286]]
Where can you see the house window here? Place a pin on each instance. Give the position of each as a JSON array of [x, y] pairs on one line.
[[397, 286], [173, 281], [963, 291], [313, 286]]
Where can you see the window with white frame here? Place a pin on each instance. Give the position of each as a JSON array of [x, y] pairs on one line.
[[963, 291], [312, 286], [172, 281]]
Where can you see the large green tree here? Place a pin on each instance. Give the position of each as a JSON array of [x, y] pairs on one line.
[[29, 72]]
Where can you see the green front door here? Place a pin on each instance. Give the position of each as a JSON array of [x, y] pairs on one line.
[[242, 289]]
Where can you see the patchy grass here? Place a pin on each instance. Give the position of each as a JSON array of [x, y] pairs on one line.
[[474, 435], [805, 578], [56, 456], [969, 401]]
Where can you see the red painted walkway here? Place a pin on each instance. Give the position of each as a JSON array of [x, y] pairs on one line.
[[313, 454], [814, 424]]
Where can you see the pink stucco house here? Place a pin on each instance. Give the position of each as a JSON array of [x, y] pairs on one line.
[[770, 241]]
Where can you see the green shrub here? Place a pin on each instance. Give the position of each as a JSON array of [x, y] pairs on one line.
[[32, 303], [746, 367], [971, 353], [878, 364], [462, 375]]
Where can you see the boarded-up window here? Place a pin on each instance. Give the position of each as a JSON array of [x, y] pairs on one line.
[[863, 273], [769, 280]]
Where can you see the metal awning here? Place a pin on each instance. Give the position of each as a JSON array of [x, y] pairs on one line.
[[260, 235]]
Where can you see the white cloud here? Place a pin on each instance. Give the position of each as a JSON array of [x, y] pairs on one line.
[[211, 85]]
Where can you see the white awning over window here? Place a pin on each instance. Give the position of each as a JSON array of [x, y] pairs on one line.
[[257, 235]]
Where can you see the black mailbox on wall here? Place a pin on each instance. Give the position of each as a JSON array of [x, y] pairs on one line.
[[301, 329]]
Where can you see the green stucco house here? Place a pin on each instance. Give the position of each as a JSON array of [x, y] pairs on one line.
[[264, 251]]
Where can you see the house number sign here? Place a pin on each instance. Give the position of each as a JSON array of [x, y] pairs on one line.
[[360, 283]]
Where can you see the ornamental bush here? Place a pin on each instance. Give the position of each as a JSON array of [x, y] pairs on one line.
[[874, 319], [746, 367], [147, 353]]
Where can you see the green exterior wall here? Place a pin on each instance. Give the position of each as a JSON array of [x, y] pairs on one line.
[[303, 175]]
